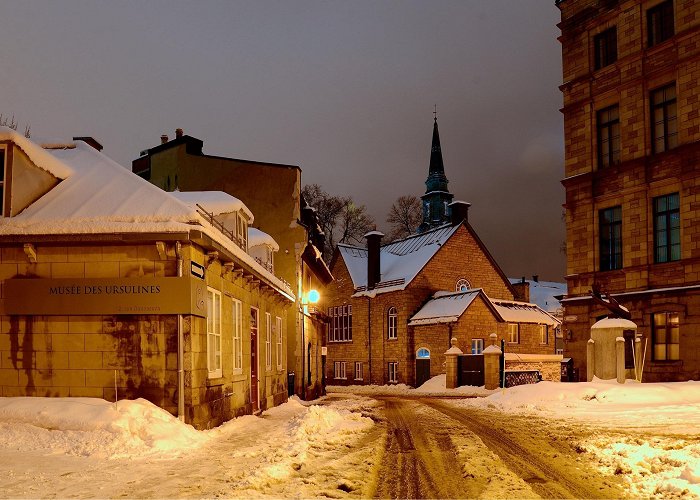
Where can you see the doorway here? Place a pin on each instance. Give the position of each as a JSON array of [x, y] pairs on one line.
[[422, 366], [254, 391]]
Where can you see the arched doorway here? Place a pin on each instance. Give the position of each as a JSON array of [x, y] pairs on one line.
[[422, 366]]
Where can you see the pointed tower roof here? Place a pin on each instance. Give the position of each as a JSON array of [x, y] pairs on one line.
[[436, 164]]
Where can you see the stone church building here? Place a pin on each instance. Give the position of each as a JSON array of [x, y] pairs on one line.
[[395, 304]]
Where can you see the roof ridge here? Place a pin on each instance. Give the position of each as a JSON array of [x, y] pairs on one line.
[[416, 235]]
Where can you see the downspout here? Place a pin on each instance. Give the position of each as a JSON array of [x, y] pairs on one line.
[[180, 346]]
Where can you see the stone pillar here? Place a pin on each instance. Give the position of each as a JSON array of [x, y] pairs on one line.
[[620, 359], [638, 358], [590, 360], [451, 365], [492, 379]]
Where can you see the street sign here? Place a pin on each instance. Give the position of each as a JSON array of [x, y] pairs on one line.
[[197, 270]]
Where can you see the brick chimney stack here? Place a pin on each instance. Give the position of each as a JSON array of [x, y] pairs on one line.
[[178, 133], [374, 273]]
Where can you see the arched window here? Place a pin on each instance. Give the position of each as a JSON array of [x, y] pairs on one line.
[[423, 353], [392, 317], [462, 285]]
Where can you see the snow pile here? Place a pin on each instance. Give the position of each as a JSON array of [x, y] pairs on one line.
[[93, 427], [433, 387], [645, 432]]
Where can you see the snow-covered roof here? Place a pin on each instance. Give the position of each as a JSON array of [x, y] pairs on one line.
[[523, 312], [256, 238], [99, 196], [214, 202], [614, 323], [400, 261], [444, 307], [543, 293]]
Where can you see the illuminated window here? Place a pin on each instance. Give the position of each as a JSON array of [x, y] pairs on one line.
[[278, 328], [237, 337], [340, 327], [666, 336], [423, 353], [214, 333], [513, 333], [392, 317], [462, 285]]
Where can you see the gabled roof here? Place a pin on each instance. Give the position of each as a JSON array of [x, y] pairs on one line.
[[448, 307], [256, 237], [98, 196], [444, 307], [400, 260]]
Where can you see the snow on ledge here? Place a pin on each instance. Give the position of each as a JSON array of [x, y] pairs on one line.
[[614, 323]]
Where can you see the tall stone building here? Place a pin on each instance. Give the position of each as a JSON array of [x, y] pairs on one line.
[[631, 72]]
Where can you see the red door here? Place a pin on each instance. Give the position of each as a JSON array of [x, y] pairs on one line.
[[254, 359]]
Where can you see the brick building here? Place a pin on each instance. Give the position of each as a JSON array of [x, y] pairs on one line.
[[272, 191], [112, 288], [631, 73], [394, 308]]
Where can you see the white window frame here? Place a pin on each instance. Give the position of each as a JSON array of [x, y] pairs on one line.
[[214, 364], [477, 346], [513, 333], [463, 282], [340, 327], [393, 372], [237, 309], [268, 341], [279, 328], [339, 370], [392, 323], [544, 334], [559, 351], [359, 370]]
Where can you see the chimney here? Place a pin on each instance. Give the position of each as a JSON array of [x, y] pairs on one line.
[[458, 212], [522, 291], [374, 273], [90, 141], [535, 278], [178, 133], [163, 139]]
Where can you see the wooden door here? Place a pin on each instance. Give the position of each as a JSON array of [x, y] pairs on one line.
[[422, 371], [254, 396]]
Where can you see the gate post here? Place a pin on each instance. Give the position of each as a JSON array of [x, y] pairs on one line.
[[492, 357], [451, 355]]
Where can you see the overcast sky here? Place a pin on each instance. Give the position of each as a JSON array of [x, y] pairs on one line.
[[345, 90]]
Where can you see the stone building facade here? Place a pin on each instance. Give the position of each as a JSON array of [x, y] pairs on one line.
[[272, 192], [631, 73], [129, 292]]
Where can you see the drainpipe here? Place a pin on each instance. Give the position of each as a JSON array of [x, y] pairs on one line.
[[369, 335], [180, 347]]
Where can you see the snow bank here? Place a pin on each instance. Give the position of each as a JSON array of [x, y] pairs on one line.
[[433, 387], [90, 426]]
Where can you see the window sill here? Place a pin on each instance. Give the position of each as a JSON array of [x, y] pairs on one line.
[[339, 342], [215, 381]]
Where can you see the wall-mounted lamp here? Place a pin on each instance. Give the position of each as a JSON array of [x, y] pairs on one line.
[[569, 335], [313, 296]]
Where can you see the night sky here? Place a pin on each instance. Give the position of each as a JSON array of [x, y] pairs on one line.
[[345, 90]]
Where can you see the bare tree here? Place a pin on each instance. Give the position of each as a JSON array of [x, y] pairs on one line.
[[404, 216], [340, 219]]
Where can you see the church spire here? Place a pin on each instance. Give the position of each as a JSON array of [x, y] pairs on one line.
[[437, 197]]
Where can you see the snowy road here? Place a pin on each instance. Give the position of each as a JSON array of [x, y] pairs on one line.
[[435, 450]]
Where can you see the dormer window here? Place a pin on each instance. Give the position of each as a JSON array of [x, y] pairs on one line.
[[242, 231]]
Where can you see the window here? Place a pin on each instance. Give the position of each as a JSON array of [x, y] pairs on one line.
[[629, 335], [339, 370], [237, 337], [477, 346], [610, 238], [667, 228], [242, 231], [423, 353], [2, 181], [393, 368], [605, 48], [214, 333], [462, 285], [358, 370], [660, 23], [544, 334], [278, 328], [559, 351], [666, 336], [340, 327], [608, 126], [268, 341], [664, 121], [391, 323], [513, 333]]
